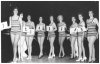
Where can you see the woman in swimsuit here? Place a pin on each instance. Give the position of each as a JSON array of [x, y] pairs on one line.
[[41, 35], [62, 35], [15, 25], [73, 37], [51, 36], [92, 34], [30, 37], [81, 35]]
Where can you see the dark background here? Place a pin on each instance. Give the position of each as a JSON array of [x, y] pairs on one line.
[[45, 9]]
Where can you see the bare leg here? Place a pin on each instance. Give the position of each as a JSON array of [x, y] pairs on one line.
[[50, 47], [19, 48], [39, 41], [53, 54], [83, 50], [91, 43], [60, 46], [72, 45], [13, 39], [27, 40], [93, 56], [80, 48], [30, 46], [76, 48], [41, 46], [63, 38], [15, 46]]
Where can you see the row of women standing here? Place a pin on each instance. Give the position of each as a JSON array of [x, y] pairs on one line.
[[16, 25]]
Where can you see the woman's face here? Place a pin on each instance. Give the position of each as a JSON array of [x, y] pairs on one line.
[[40, 19], [80, 17], [51, 18], [90, 13], [73, 19], [21, 15], [29, 17], [15, 11], [60, 18]]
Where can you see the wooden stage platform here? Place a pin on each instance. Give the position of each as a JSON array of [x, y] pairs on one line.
[[45, 59]]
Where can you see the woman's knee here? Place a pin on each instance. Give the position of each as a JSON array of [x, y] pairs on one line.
[[90, 45], [15, 46]]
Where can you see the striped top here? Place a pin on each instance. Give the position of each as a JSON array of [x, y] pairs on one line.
[[15, 25], [91, 27]]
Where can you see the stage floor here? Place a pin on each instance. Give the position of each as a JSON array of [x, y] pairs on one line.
[[45, 59]]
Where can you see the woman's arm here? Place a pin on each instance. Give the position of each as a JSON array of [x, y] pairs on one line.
[[97, 23], [65, 27], [33, 25], [21, 24], [44, 28], [84, 33]]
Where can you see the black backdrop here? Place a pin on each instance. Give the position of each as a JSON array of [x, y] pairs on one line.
[[45, 9]]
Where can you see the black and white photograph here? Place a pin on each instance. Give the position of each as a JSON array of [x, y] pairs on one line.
[[49, 31]]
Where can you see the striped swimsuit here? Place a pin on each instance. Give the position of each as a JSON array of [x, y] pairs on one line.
[[74, 34], [51, 34], [15, 26], [41, 33], [91, 28], [62, 34]]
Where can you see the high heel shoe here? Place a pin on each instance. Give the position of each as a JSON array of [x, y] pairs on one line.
[[90, 61], [40, 56], [29, 58], [79, 59], [93, 59], [63, 55], [19, 59], [15, 60], [84, 59], [49, 57], [53, 56], [59, 55]]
